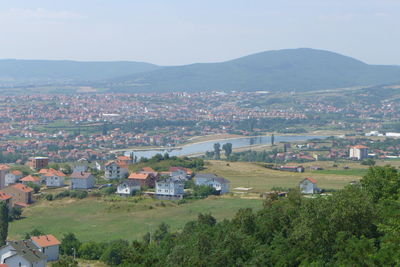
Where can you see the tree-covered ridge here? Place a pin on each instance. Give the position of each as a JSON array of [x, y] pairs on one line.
[[356, 226]]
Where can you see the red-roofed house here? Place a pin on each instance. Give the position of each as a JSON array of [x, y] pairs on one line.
[[12, 177], [4, 197], [145, 179], [20, 194], [52, 177], [31, 179], [115, 170], [4, 169], [48, 245], [309, 186]]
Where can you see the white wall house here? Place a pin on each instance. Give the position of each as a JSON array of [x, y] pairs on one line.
[[113, 170], [82, 180], [219, 183], [48, 245], [12, 177], [53, 180], [128, 188], [309, 186], [358, 152], [170, 187], [22, 254]]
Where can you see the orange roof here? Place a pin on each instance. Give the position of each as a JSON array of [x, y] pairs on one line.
[[16, 172], [312, 180], [22, 187], [51, 171], [123, 164], [4, 167], [360, 146], [124, 158], [21, 204], [148, 169], [30, 178], [4, 196], [4, 265], [138, 175], [45, 240]]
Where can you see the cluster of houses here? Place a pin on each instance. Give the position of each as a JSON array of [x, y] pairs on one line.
[[34, 252]]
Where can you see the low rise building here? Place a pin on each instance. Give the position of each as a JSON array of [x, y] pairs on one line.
[[22, 195], [82, 180], [220, 184], [48, 245], [22, 254], [309, 186], [128, 187], [170, 189]]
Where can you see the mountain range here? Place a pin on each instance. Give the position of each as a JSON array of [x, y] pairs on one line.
[[302, 69]]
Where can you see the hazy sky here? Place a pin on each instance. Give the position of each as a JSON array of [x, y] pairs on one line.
[[173, 32]]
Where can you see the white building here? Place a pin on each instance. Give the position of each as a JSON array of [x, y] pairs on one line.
[[359, 152], [48, 245], [115, 170], [52, 177], [170, 188], [309, 186], [13, 177], [128, 187], [220, 184], [22, 254], [82, 180]]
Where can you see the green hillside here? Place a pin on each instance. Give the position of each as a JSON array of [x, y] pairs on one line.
[[283, 70]]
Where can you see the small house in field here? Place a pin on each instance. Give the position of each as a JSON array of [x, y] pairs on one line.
[[48, 245], [290, 168], [220, 184], [115, 170], [82, 180], [52, 177], [128, 187], [309, 186], [169, 189]]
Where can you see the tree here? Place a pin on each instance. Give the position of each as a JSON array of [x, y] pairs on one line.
[[116, 252], [4, 219], [161, 232], [228, 149], [217, 150], [15, 213], [91, 250], [69, 245], [35, 187], [382, 183], [34, 232], [65, 261], [368, 162]]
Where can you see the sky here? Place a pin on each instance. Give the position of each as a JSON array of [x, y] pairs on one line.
[[177, 32]]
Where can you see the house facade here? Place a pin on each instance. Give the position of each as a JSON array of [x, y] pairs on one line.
[[170, 188], [22, 254], [115, 170], [48, 245], [4, 169], [12, 177], [82, 180], [359, 152], [52, 177], [31, 179], [128, 187], [218, 183], [145, 179], [21, 194], [309, 186]]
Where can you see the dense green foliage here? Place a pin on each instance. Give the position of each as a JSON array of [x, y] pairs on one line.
[[4, 219], [164, 162], [356, 226]]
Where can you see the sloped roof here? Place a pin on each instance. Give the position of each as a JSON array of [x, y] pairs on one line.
[[80, 175], [30, 178], [212, 176], [22, 187], [4, 196], [27, 250], [45, 240], [139, 175]]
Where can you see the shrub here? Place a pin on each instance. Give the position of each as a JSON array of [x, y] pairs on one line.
[[49, 197]]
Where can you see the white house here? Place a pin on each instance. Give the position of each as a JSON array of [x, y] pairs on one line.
[[309, 186], [115, 170], [128, 187], [22, 254], [13, 177], [82, 180], [52, 177], [82, 165], [219, 183], [170, 188], [48, 245], [359, 152]]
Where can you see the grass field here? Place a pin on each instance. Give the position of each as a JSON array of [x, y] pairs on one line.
[[261, 179], [351, 172], [99, 220]]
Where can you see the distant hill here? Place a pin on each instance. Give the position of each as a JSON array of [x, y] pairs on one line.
[[16, 72], [301, 69]]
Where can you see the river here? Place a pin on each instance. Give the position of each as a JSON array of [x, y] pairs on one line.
[[202, 147]]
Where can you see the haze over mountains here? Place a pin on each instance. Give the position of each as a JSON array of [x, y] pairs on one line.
[[282, 70]]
